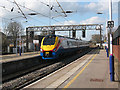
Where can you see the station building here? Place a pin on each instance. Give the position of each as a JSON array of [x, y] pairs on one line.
[[116, 37], [116, 43]]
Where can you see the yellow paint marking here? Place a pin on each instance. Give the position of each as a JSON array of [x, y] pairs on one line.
[[78, 74]]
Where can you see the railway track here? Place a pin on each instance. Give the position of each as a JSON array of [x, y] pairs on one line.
[[39, 72]]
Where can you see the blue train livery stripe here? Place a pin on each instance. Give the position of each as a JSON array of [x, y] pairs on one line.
[[61, 46]]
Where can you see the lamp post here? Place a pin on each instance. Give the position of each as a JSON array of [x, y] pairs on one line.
[[100, 32], [106, 47], [107, 40], [110, 19], [111, 58]]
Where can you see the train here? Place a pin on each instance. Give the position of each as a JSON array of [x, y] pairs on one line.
[[54, 46]]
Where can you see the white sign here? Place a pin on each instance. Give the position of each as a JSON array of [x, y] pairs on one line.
[[35, 41]]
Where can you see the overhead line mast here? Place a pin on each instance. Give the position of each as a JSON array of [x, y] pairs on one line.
[[61, 8], [20, 10], [57, 11], [35, 11]]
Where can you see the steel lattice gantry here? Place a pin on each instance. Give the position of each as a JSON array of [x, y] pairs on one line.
[[65, 27], [69, 28]]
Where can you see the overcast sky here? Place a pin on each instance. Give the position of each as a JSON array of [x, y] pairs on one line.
[[84, 12]]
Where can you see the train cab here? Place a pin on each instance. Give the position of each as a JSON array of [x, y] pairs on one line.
[[48, 47], [53, 46]]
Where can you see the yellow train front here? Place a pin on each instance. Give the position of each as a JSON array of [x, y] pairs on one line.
[[49, 47], [53, 46]]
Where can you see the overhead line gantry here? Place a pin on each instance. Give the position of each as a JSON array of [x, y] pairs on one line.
[[69, 28], [65, 27]]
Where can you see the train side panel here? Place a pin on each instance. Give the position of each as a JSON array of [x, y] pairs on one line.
[[61, 46]]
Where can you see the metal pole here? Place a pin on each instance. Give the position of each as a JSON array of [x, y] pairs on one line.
[[110, 10], [27, 39], [106, 36], [48, 32], [111, 58], [20, 44], [100, 37], [110, 19], [22, 47], [16, 47], [107, 41]]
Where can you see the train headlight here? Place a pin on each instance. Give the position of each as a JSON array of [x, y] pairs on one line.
[[41, 50]]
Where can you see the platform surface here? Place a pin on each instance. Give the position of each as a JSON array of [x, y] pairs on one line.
[[13, 57], [89, 71]]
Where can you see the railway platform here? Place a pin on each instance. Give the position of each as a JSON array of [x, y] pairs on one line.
[[89, 71], [12, 64], [13, 57]]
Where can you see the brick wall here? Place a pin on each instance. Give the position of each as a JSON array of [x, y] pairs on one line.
[[116, 51]]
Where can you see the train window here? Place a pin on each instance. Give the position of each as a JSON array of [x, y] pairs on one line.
[[49, 40], [70, 43]]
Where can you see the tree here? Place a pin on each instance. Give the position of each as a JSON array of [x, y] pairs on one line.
[[13, 30], [96, 38], [43, 33]]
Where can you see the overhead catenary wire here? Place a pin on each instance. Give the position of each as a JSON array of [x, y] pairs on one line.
[[16, 17], [56, 11], [12, 19], [51, 8], [20, 9], [63, 11], [19, 16], [30, 17], [61, 8], [49, 14], [7, 19], [5, 8], [37, 20], [34, 11]]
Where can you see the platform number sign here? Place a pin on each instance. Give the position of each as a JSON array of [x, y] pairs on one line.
[[110, 24]]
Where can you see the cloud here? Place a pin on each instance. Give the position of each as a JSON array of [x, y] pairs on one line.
[[70, 22], [93, 20], [85, 0], [27, 6], [97, 6], [41, 7]]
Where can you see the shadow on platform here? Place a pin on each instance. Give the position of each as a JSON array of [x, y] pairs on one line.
[[98, 52]]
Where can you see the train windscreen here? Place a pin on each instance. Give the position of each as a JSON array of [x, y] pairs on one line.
[[49, 40]]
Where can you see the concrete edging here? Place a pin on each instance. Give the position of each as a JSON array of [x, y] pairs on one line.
[[12, 67]]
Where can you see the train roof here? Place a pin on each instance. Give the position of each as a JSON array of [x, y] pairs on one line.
[[63, 37]]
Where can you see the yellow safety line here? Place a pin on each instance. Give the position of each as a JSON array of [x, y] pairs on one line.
[[78, 74]]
